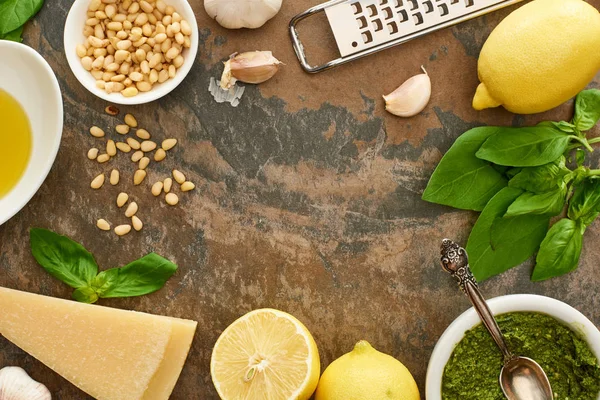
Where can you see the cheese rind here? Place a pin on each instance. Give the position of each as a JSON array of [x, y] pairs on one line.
[[109, 353]]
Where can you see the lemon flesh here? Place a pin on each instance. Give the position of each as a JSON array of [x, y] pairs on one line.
[[266, 354], [539, 56], [367, 374]]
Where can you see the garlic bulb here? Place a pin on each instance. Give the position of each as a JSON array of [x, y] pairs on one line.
[[411, 97], [15, 384], [249, 67], [235, 14]]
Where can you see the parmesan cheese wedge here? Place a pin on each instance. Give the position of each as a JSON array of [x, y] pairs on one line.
[[110, 354]]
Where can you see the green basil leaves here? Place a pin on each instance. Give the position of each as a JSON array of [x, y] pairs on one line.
[[14, 14], [519, 178], [71, 263]]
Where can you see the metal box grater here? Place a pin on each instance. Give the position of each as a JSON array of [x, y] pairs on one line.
[[363, 27]]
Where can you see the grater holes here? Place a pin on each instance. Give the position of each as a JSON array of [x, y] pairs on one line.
[[373, 9], [443, 9], [388, 13], [418, 18], [383, 2], [403, 16], [367, 37], [392, 27], [357, 8], [428, 6], [454, 1], [377, 25], [362, 22], [469, 3], [414, 4]]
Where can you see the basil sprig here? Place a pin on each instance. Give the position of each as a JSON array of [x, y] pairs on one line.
[[13, 16], [71, 263], [519, 178]]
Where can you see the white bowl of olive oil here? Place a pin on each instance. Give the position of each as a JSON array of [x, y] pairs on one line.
[[31, 122]]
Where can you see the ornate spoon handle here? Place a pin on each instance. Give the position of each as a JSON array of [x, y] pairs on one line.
[[456, 262]]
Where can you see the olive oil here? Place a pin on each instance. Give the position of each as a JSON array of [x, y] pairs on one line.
[[15, 142]]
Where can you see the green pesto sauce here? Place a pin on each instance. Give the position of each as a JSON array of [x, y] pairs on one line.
[[474, 367]]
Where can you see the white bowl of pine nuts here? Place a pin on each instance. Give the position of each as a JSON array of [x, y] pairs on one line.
[[130, 51]]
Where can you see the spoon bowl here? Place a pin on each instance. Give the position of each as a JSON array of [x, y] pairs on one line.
[[522, 378]]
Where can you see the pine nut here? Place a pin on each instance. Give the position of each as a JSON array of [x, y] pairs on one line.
[[171, 199], [178, 176], [134, 144], [122, 199], [87, 63], [144, 161], [103, 224], [142, 134], [143, 86], [178, 61], [124, 147], [168, 144], [139, 176], [123, 229], [185, 28], [137, 223], [132, 208], [114, 177], [167, 183], [81, 51], [129, 92], [122, 129], [96, 132], [111, 110], [137, 156], [147, 145], [97, 182], [92, 153], [157, 188], [111, 149], [187, 186], [159, 155], [102, 158], [131, 121]]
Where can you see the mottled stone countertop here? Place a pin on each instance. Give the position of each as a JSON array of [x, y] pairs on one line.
[[308, 196]]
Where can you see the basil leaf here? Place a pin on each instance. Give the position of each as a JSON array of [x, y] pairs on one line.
[[562, 125], [524, 147], [14, 13], [497, 244], [15, 36], [587, 109], [85, 295], [559, 252], [579, 157], [142, 276], [461, 180], [550, 203], [63, 258], [541, 179], [584, 206]]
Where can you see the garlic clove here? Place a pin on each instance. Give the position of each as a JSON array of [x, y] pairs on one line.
[[411, 97], [235, 14], [249, 67], [15, 384]]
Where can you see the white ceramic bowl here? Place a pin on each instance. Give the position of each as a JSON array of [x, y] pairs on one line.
[[30, 80], [501, 305], [74, 36]]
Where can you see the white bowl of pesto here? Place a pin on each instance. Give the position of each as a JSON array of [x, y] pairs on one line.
[[455, 333], [31, 111]]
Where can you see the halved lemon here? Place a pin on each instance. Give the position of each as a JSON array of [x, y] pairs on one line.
[[268, 355]]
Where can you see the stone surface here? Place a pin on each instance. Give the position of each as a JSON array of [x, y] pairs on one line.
[[307, 196]]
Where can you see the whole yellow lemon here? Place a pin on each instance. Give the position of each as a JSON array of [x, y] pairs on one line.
[[539, 56], [366, 374]]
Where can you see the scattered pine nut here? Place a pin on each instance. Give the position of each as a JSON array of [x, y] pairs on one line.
[[134, 144], [167, 183], [102, 158], [159, 155], [132, 208], [171, 199], [137, 223], [142, 134], [114, 177], [144, 161], [139, 176], [123, 229], [147, 145], [157, 188], [111, 149], [130, 120], [179, 176], [103, 224], [122, 199], [122, 129], [111, 110], [168, 144], [92, 153], [124, 147], [96, 132], [137, 156], [97, 182], [187, 186]]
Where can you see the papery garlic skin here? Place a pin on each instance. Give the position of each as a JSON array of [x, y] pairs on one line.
[[235, 14], [250, 67], [411, 97], [15, 384]]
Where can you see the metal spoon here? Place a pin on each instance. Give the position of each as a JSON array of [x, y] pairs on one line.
[[521, 378]]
